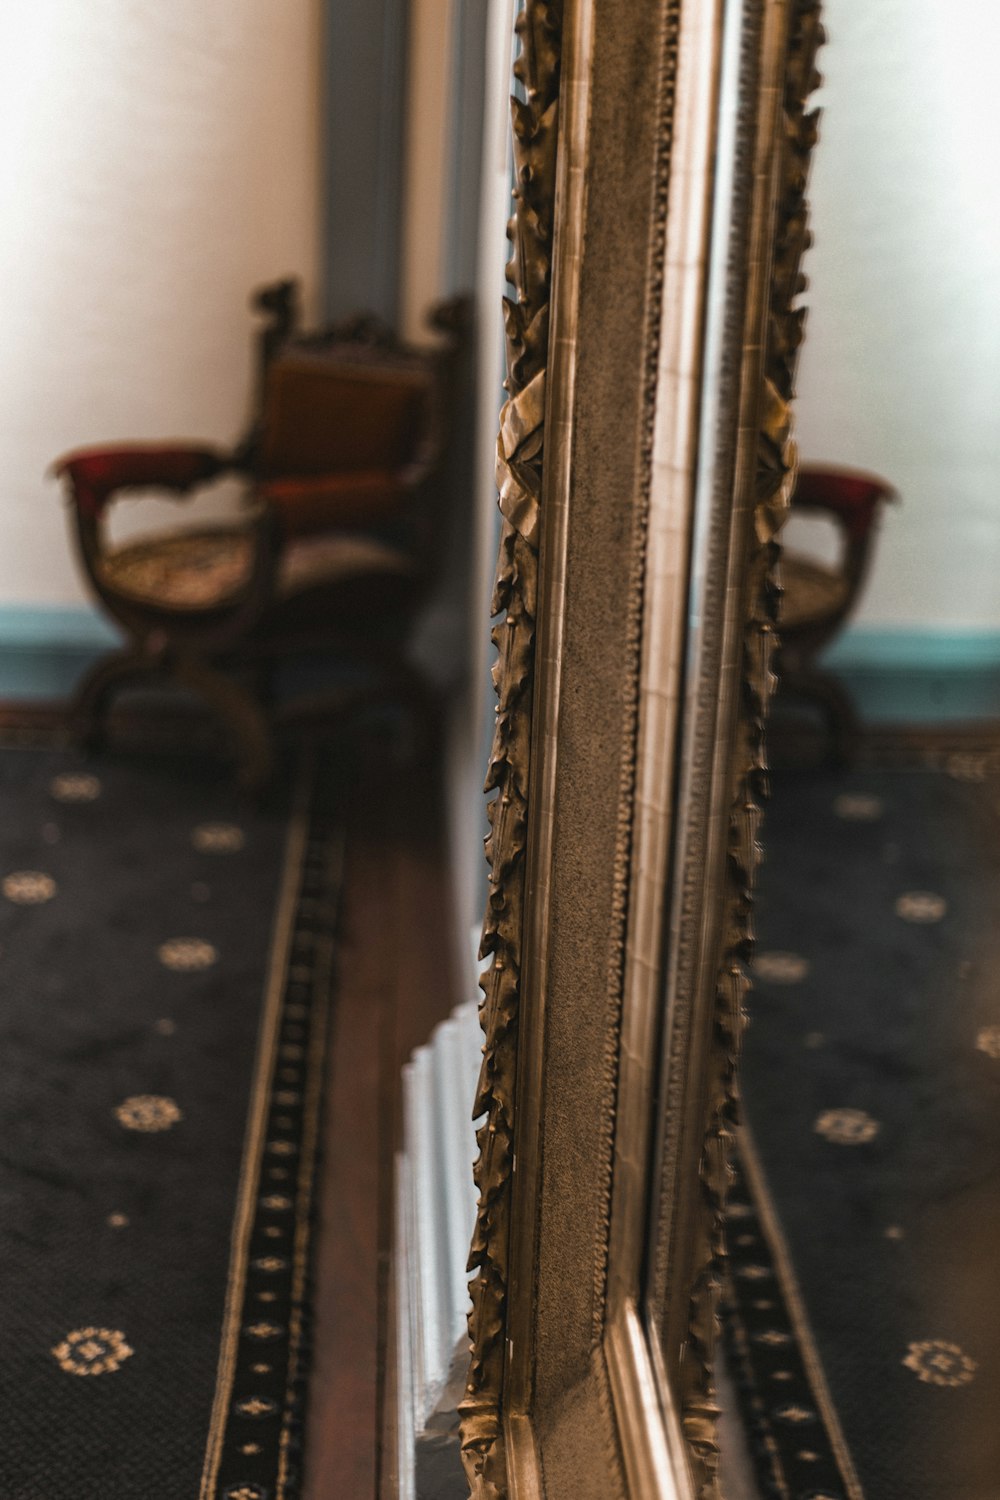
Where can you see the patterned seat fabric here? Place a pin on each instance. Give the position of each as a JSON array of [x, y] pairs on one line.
[[318, 562], [192, 570]]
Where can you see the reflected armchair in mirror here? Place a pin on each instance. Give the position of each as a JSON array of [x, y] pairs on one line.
[[336, 550], [819, 596]]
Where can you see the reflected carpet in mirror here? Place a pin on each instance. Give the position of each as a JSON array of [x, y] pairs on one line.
[[865, 1228], [166, 958]]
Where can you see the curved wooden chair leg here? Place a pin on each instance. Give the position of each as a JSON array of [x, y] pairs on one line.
[[239, 712], [823, 689], [90, 706]]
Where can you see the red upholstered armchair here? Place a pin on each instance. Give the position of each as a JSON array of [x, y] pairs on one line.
[[818, 598], [343, 474]]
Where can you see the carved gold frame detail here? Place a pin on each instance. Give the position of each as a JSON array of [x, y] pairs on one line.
[[625, 1405]]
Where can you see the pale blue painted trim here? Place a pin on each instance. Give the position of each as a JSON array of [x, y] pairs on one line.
[[915, 650], [55, 627], [83, 627], [45, 649]]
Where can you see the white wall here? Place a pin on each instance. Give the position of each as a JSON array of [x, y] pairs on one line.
[[901, 368], [158, 161]]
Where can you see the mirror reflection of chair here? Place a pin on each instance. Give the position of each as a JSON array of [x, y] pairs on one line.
[[819, 597], [336, 553]]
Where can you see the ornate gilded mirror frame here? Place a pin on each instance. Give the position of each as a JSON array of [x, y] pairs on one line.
[[644, 466]]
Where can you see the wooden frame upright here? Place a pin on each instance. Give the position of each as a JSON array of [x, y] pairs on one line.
[[644, 466]]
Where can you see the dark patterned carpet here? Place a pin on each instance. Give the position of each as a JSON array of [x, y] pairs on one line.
[[166, 960], [872, 1086]]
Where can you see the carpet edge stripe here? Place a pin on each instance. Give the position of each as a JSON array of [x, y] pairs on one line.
[[798, 1316], [271, 1014]]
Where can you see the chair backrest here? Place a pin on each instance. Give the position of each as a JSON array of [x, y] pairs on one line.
[[353, 426], [349, 396], [342, 409]]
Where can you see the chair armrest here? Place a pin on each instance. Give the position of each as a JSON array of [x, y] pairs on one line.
[[94, 474], [852, 497]]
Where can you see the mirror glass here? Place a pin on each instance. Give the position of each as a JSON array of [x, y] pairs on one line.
[[864, 1325]]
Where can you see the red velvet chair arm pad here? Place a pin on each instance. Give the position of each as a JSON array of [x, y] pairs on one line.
[[95, 474], [852, 497]]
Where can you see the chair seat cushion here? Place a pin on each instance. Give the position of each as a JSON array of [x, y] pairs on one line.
[[191, 570], [813, 593], [207, 569], [323, 562]]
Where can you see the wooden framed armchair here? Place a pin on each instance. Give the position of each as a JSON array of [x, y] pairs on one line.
[[819, 597], [344, 486]]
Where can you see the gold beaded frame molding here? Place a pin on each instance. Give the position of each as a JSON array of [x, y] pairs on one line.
[[607, 1096]]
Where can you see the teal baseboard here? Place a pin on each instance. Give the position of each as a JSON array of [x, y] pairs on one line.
[[920, 676], [895, 673], [917, 649], [45, 649]]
